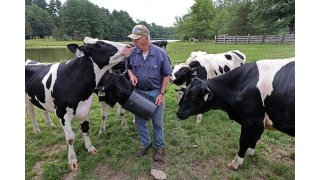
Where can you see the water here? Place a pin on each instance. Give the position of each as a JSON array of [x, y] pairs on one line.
[[49, 54], [53, 54]]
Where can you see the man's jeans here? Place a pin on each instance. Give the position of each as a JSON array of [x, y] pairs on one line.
[[157, 121]]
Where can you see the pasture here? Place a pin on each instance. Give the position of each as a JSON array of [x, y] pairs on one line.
[[192, 151]]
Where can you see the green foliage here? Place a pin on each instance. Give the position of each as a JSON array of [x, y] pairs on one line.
[[39, 20], [240, 17], [198, 22], [40, 3], [273, 16]]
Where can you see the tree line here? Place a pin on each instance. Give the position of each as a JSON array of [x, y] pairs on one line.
[[76, 19], [208, 18]]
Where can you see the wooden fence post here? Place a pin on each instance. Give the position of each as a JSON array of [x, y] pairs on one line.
[[248, 40], [263, 37], [215, 39], [236, 39], [225, 38], [282, 39]]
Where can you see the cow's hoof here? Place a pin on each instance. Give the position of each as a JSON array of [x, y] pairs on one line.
[[36, 131], [74, 166], [93, 151], [231, 167]]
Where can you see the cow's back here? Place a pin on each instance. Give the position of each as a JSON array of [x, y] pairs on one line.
[[34, 74]]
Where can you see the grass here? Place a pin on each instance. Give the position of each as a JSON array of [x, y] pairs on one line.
[[192, 151]]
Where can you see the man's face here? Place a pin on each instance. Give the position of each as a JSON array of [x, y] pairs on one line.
[[141, 42]]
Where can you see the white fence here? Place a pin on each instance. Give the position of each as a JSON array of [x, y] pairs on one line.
[[256, 39]]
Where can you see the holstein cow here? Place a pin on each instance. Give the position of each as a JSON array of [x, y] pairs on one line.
[[162, 44], [66, 87], [206, 66], [257, 95], [117, 86], [106, 99]]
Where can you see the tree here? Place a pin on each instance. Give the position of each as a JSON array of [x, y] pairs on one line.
[[39, 20], [121, 25], [271, 16], [199, 22], [54, 8], [28, 30], [41, 3], [240, 24]]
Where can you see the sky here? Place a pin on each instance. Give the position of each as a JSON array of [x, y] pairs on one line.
[[160, 12]]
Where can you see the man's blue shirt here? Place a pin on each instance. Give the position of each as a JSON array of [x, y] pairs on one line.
[[149, 71]]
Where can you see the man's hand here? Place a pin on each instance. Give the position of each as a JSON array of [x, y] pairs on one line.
[[159, 99], [127, 51], [133, 78]]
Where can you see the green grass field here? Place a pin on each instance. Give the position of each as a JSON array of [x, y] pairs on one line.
[[192, 151]]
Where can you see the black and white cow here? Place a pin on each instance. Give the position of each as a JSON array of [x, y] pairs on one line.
[[205, 66], [117, 86], [106, 99], [66, 87], [162, 43], [257, 95]]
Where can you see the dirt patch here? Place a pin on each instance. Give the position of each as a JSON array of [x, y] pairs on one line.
[[280, 154], [55, 149], [37, 168], [70, 176], [104, 172]]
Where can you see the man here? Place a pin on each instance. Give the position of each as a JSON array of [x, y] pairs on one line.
[[149, 71]]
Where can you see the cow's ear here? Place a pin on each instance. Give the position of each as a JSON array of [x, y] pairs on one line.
[[208, 95], [73, 47]]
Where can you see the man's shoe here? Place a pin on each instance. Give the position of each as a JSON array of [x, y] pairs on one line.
[[143, 150], [157, 154]]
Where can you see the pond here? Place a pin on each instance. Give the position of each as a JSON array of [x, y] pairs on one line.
[[49, 54]]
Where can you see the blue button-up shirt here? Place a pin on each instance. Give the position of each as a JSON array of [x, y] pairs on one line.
[[149, 71]]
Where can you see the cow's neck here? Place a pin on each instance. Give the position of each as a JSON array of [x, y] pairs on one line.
[[223, 99], [100, 72]]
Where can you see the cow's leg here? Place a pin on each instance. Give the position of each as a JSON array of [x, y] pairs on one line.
[[199, 118], [85, 133], [121, 111], [248, 137], [48, 119], [104, 115], [254, 140], [30, 111], [70, 137]]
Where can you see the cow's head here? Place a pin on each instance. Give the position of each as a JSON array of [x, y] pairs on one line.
[[103, 52], [195, 100], [117, 85], [180, 74]]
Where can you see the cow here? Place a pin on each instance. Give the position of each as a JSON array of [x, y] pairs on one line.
[[162, 44], [66, 87], [106, 99], [257, 95], [117, 86], [205, 66]]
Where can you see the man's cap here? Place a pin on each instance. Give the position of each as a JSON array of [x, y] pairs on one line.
[[138, 31]]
